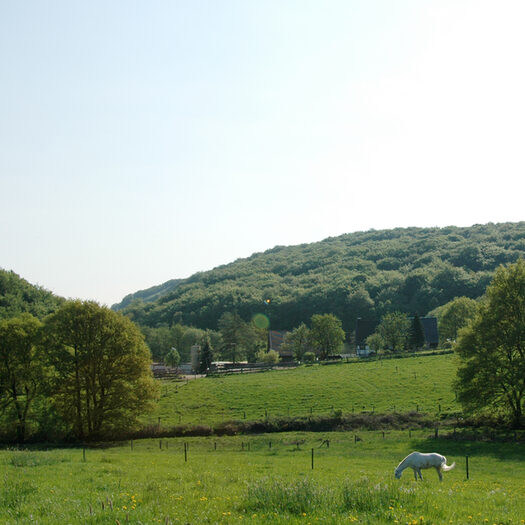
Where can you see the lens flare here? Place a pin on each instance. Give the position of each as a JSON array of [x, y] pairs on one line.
[[261, 321]]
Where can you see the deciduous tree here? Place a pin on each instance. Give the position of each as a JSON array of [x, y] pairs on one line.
[[326, 334], [22, 371], [103, 378], [297, 341], [492, 348], [394, 328]]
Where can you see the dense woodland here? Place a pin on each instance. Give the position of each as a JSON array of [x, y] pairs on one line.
[[363, 274]]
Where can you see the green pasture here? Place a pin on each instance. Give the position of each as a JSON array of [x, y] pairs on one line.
[[391, 385], [263, 479]]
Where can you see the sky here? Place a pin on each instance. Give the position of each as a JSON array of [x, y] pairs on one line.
[[146, 141]]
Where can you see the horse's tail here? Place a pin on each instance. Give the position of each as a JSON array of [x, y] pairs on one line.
[[446, 467]]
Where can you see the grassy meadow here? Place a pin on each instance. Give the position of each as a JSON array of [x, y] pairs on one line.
[[276, 478], [417, 383], [263, 479]]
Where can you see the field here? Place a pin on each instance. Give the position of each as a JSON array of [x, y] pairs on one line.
[[263, 479], [390, 385], [282, 478]]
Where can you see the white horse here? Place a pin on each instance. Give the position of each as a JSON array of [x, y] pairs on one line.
[[417, 460]]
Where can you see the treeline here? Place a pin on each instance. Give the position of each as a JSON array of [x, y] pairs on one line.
[[364, 274]]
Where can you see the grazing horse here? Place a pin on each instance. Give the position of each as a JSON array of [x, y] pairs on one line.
[[417, 460]]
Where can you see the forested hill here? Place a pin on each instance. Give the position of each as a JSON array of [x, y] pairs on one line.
[[19, 296], [150, 294], [363, 274]]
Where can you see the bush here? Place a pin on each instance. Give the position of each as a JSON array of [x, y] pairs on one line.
[[309, 357]]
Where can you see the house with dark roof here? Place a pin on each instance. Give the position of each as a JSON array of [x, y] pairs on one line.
[[363, 329], [430, 330]]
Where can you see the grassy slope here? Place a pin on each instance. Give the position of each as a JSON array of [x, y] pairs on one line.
[[405, 384]]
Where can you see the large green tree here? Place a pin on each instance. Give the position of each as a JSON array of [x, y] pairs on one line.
[[394, 329], [416, 336], [326, 334], [22, 370], [491, 348], [455, 315], [297, 341], [103, 378]]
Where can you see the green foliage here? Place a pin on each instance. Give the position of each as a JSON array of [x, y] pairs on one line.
[[376, 342], [172, 358], [240, 339], [326, 334], [453, 316], [271, 357], [101, 365], [309, 357], [492, 350], [17, 296], [416, 337], [394, 330], [297, 341], [363, 274], [22, 370], [206, 355]]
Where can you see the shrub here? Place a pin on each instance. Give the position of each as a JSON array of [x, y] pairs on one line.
[[309, 357]]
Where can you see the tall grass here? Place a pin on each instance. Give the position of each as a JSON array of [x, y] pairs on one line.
[[262, 479]]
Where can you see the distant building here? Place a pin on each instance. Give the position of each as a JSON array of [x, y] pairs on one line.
[[195, 357], [430, 330], [363, 329]]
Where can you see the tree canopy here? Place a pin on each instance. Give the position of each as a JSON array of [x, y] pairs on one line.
[[491, 348], [363, 274], [102, 375], [326, 334]]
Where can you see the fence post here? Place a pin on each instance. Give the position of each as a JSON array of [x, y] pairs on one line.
[[466, 465], [312, 459], [185, 452], [84, 454]]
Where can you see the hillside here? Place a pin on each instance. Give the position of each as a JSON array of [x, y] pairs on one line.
[[18, 296], [149, 294], [363, 274]]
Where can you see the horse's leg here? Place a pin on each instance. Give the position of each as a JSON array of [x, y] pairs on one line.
[[415, 473], [419, 472], [439, 473]]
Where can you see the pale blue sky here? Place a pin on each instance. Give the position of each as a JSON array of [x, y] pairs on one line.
[[144, 141]]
